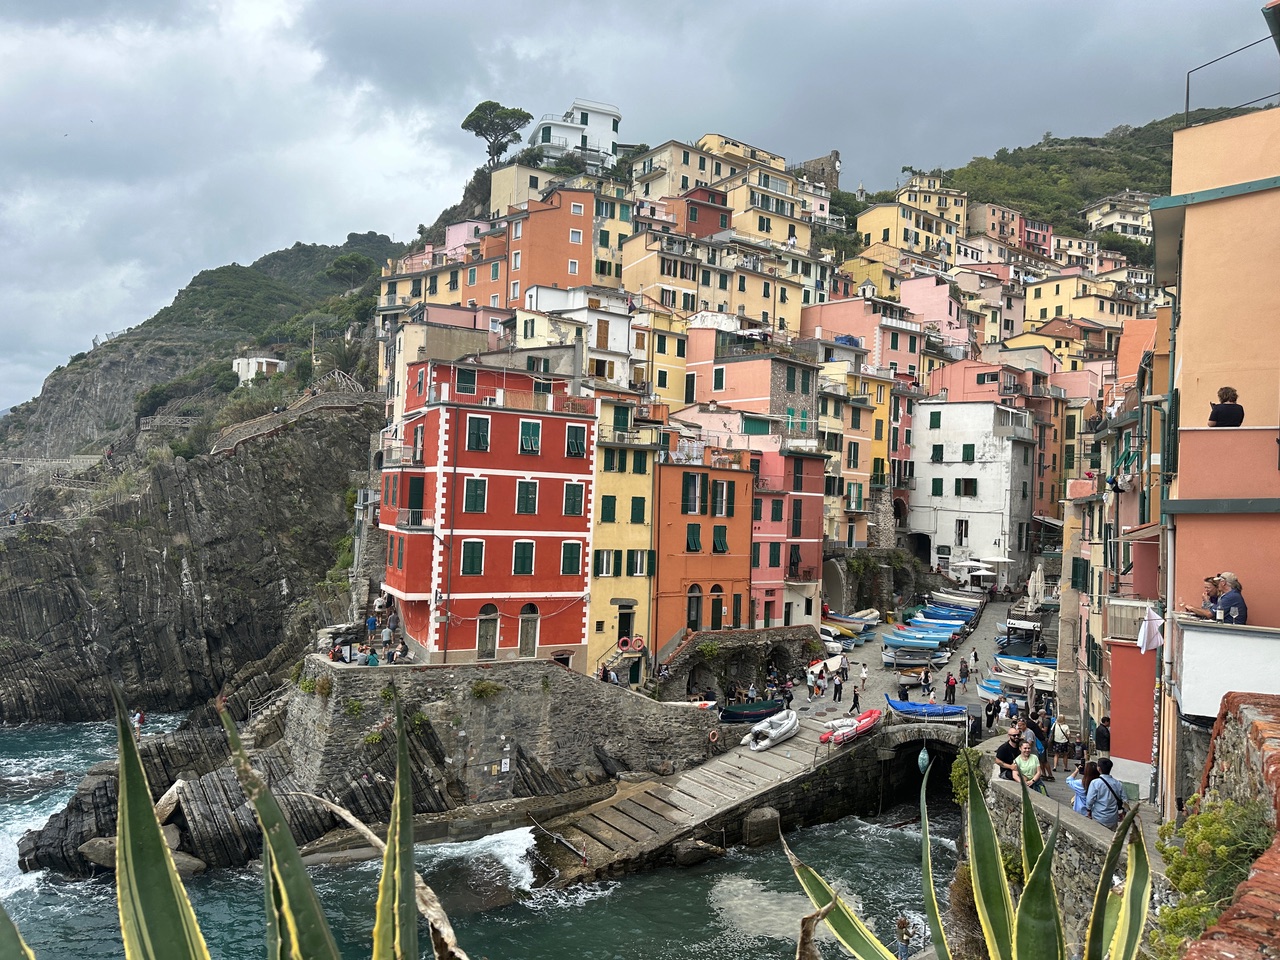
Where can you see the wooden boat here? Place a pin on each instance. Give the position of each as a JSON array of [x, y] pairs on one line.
[[928, 711], [773, 730], [951, 599], [900, 642], [910, 676], [848, 729], [846, 629], [852, 620], [750, 712], [902, 657], [1043, 677]]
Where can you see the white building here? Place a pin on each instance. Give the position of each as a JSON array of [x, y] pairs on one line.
[[973, 497], [1127, 213], [247, 368], [589, 127]]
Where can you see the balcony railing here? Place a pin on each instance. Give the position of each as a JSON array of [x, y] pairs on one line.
[[1011, 389], [1018, 431], [513, 399], [879, 481], [904, 483], [801, 574], [909, 390], [413, 519]]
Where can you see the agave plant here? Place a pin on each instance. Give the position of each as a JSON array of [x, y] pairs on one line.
[[1032, 930], [156, 919]]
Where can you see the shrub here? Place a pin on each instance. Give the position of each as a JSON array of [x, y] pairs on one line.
[[708, 649], [374, 737], [388, 693], [308, 685], [485, 689], [324, 685], [353, 708], [960, 774], [295, 672]]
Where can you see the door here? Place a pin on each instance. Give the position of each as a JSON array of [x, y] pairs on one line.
[[626, 623], [487, 633], [717, 608], [415, 500], [693, 618], [529, 631]]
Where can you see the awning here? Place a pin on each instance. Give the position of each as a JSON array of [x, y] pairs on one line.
[[1148, 531], [1049, 520]]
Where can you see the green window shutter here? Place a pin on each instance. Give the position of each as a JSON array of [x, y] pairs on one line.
[[526, 496], [967, 453], [609, 508], [522, 564], [706, 490], [776, 511], [974, 490], [610, 460], [693, 537], [689, 492], [570, 559], [804, 381], [720, 539], [472, 558], [717, 378], [640, 461], [937, 487], [755, 555], [617, 563], [573, 499], [936, 456], [621, 417], [958, 486], [637, 509], [791, 379], [731, 488], [935, 419], [775, 554], [893, 341], [757, 508], [597, 562], [651, 563], [622, 461], [477, 433]]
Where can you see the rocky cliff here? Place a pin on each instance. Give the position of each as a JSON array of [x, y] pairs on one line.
[[174, 589]]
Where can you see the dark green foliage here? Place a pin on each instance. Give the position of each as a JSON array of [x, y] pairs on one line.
[[1138, 253], [498, 126], [351, 268], [528, 157], [303, 267], [568, 165], [475, 199], [231, 296], [1057, 177], [215, 373]]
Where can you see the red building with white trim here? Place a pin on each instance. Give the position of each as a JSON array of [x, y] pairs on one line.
[[486, 503]]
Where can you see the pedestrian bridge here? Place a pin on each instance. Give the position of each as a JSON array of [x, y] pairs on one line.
[[805, 780]]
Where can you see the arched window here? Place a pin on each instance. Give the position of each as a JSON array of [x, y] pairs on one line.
[[487, 633], [529, 630], [694, 607]]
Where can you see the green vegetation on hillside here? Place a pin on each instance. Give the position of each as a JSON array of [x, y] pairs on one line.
[[317, 270], [231, 296], [1057, 177]]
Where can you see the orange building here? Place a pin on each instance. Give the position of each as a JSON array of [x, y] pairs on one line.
[[703, 539]]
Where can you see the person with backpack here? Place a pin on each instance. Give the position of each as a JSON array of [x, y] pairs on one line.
[[964, 676], [1104, 802], [1059, 744]]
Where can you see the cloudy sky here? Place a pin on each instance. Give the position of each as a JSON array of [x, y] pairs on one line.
[[145, 140]]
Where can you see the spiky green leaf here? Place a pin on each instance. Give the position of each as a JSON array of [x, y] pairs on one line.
[[931, 910], [1038, 933], [274, 907], [395, 930], [1032, 839], [1136, 899], [841, 920], [11, 943], [1097, 938], [990, 884], [156, 919], [304, 930]]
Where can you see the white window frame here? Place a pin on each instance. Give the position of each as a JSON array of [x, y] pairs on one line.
[[515, 260], [573, 268], [463, 553], [515, 289], [575, 236], [576, 209], [517, 230]]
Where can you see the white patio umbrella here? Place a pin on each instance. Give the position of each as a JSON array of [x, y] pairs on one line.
[[996, 560], [1035, 586], [966, 563], [982, 572]]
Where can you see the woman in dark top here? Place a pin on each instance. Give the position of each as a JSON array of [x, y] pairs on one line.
[[1226, 412]]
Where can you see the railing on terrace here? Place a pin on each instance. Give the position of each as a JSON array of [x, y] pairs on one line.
[[1011, 389], [801, 574], [909, 390], [904, 483], [512, 399], [392, 300], [879, 481], [413, 519]]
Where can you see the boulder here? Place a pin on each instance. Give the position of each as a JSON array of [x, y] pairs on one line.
[[100, 851], [689, 853], [760, 826], [187, 865], [169, 802], [171, 836]]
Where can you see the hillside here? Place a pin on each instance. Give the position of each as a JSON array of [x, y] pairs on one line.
[[221, 312], [1053, 179]]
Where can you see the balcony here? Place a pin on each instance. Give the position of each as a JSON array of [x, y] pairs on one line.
[[513, 400], [910, 390], [391, 300], [801, 575], [653, 412], [1012, 389], [1015, 431], [1203, 675], [770, 482], [1233, 463], [412, 519], [879, 481], [904, 483]]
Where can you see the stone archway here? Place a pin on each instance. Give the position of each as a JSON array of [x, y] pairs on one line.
[[834, 590]]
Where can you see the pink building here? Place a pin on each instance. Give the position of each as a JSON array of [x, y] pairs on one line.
[[890, 332]]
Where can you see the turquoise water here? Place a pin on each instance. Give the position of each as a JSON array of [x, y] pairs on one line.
[[747, 902]]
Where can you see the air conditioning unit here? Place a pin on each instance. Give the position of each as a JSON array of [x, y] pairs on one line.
[[742, 309], [489, 401]]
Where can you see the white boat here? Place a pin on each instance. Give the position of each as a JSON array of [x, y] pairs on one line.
[[1043, 677], [952, 598], [781, 726]]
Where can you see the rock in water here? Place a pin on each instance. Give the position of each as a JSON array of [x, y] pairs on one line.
[[689, 853], [760, 826]]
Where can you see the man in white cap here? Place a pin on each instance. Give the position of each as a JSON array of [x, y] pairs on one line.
[[1230, 605]]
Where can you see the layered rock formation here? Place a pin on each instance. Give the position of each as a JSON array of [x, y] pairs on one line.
[[173, 590]]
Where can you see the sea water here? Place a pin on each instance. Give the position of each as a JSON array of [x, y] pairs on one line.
[[746, 902]]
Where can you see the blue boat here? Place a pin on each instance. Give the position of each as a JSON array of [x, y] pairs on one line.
[[911, 643], [1050, 662], [940, 617], [927, 711], [942, 610], [937, 626]]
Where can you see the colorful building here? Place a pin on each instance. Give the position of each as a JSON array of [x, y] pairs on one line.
[[487, 496]]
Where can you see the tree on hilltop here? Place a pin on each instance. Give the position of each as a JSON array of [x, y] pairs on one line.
[[498, 126]]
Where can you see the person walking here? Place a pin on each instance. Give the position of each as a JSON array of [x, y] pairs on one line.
[[371, 625], [1060, 744], [854, 705], [926, 681], [964, 676], [837, 686], [864, 676], [991, 710], [950, 694], [844, 667], [1102, 738]]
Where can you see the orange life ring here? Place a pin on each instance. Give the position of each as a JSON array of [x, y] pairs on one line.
[[624, 643], [637, 642], [714, 736]]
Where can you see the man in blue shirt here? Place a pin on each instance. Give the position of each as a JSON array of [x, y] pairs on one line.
[[1230, 603], [1102, 802]]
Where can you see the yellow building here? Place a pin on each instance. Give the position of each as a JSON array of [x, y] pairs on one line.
[[767, 206], [926, 192], [909, 229], [659, 334], [1080, 297], [622, 532], [725, 147], [671, 168], [1062, 346]]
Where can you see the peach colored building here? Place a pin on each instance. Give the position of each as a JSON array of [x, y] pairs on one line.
[[1216, 238]]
